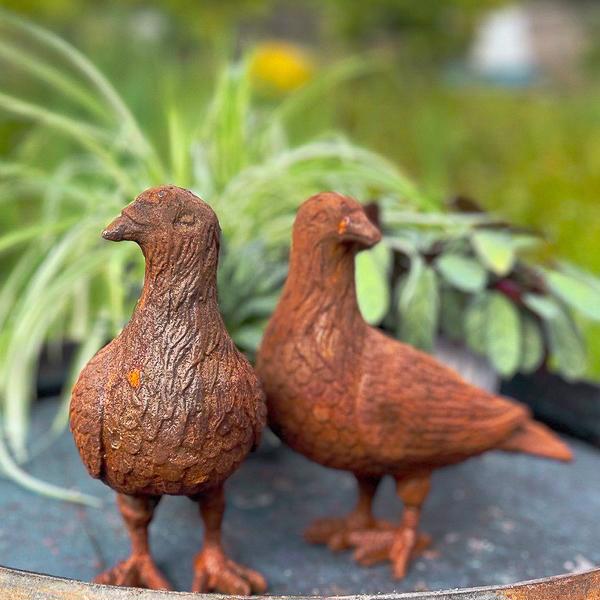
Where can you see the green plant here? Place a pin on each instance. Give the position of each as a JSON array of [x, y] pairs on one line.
[[466, 277], [63, 283]]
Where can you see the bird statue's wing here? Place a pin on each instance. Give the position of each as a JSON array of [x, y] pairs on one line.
[[411, 408], [86, 412]]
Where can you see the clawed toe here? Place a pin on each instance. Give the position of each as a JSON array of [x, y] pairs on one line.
[[136, 571], [322, 531], [214, 572], [371, 546], [337, 533], [398, 546]]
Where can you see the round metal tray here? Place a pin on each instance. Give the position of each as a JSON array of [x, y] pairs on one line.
[[20, 585], [495, 520]]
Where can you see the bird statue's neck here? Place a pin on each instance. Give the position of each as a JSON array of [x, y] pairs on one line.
[[179, 284], [321, 284]]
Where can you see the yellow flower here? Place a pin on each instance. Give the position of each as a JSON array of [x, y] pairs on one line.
[[280, 66]]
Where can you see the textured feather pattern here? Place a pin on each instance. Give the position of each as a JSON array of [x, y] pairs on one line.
[[170, 406], [348, 396]]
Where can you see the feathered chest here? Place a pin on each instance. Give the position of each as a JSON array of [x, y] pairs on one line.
[[309, 350]]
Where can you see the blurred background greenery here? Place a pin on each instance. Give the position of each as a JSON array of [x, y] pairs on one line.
[[252, 103]]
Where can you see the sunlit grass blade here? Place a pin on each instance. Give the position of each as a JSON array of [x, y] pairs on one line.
[[225, 131], [14, 238], [44, 300], [77, 129], [85, 67], [10, 469], [94, 340], [53, 77]]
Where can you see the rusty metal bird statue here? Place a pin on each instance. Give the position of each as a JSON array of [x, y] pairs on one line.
[[348, 397], [170, 406]]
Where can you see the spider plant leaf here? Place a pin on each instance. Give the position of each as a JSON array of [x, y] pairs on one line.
[[12, 470], [226, 127], [89, 136], [85, 67], [495, 249], [248, 337], [96, 338], [78, 129], [579, 273], [54, 77], [259, 307], [372, 282], [503, 334], [32, 321], [20, 236], [462, 272], [179, 143]]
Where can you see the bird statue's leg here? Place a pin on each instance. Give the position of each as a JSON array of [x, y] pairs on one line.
[[400, 544], [413, 493], [213, 570], [139, 569], [336, 532]]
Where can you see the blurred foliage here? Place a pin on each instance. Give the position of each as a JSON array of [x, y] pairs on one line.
[[531, 155], [473, 280], [86, 155], [428, 31], [74, 147]]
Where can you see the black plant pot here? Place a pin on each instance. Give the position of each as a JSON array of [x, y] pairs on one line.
[[573, 408]]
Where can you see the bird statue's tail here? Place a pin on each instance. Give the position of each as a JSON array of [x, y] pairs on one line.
[[534, 438]]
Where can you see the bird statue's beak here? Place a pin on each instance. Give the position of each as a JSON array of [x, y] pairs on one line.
[[122, 228], [357, 228]]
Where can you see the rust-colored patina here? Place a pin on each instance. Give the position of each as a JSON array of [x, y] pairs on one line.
[[20, 585], [347, 396], [170, 406]]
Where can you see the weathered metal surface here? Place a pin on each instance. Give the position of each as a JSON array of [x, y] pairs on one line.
[[348, 397], [21, 585], [170, 406], [496, 519]]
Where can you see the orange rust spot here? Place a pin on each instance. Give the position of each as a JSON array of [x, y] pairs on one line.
[[134, 378], [343, 225]]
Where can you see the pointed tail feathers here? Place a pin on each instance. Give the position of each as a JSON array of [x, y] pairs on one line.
[[537, 439]]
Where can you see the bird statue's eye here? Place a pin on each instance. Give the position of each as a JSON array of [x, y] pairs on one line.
[[185, 219], [320, 217]]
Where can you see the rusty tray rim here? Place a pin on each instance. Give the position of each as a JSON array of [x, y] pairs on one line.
[[25, 585]]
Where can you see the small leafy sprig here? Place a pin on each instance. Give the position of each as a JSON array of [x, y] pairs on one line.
[[465, 276]]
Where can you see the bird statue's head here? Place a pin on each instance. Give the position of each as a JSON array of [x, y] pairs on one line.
[[337, 219], [177, 232], [164, 217]]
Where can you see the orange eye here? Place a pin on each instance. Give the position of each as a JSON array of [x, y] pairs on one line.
[[343, 225]]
